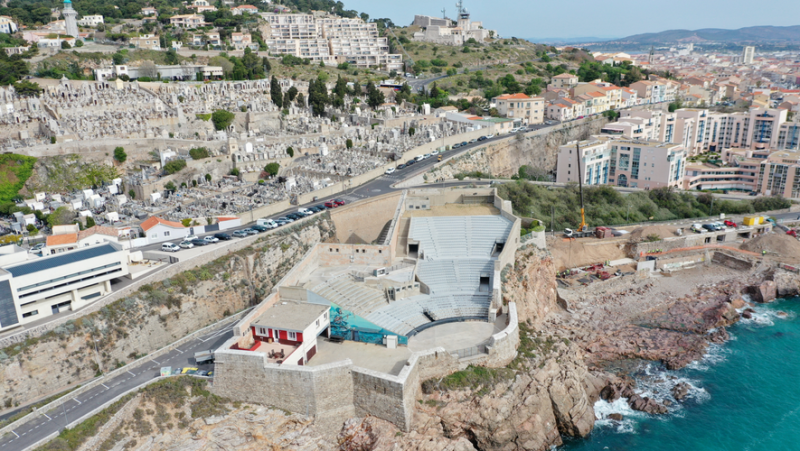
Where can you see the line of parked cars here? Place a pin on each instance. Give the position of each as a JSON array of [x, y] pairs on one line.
[[713, 226], [262, 225]]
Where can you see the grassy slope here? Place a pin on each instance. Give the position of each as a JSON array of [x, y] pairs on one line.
[[14, 172]]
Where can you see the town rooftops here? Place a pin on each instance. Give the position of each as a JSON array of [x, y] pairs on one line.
[[66, 258], [98, 230], [291, 316], [154, 221]]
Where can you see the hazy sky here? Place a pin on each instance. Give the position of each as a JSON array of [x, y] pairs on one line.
[[579, 18]]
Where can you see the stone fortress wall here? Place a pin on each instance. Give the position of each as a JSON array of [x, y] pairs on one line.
[[343, 389]]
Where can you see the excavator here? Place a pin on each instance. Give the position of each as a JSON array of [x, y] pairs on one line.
[[583, 228]]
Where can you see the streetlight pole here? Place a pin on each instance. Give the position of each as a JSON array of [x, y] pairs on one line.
[[97, 356], [628, 214]]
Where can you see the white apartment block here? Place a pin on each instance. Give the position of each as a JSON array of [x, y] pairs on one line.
[[748, 52], [90, 21], [7, 25], [606, 160], [528, 110], [332, 40]]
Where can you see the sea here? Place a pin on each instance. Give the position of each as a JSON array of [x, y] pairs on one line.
[[744, 396]]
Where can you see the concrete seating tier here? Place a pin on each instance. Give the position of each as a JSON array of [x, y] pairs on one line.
[[459, 236], [357, 298], [454, 275], [405, 315]]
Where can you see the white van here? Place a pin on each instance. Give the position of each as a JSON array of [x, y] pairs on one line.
[[267, 223]]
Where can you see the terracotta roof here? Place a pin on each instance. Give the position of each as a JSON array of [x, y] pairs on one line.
[[566, 76], [58, 240], [100, 230], [518, 96], [227, 218], [153, 221]]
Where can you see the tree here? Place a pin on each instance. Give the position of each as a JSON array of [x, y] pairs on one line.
[[208, 177], [32, 230], [170, 186], [275, 92], [254, 69], [412, 131], [317, 97], [132, 194], [90, 220], [291, 94], [198, 153], [120, 155], [65, 45], [186, 222], [118, 59], [222, 119], [171, 57], [224, 63], [290, 151], [26, 88], [148, 69], [375, 97], [61, 216], [272, 169], [78, 43], [349, 143]]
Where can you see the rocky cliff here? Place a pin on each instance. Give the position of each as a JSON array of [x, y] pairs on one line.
[[153, 317], [532, 285], [503, 159]]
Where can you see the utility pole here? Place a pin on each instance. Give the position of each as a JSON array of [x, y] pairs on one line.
[[553, 220]]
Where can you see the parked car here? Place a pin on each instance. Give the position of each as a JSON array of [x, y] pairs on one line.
[[410, 162], [473, 140], [331, 204], [730, 223], [259, 229], [190, 238], [268, 223], [249, 231], [420, 157], [211, 239], [186, 245], [170, 247], [697, 228], [222, 236], [426, 156], [710, 227], [456, 146], [199, 242], [463, 144], [753, 193], [37, 247], [305, 211], [389, 171], [482, 138], [295, 216], [401, 166], [489, 136], [284, 219], [339, 202], [317, 208], [281, 221], [239, 233], [189, 371]]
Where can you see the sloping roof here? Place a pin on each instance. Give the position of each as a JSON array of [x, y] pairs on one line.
[[518, 96], [59, 240], [227, 218], [66, 258], [100, 230], [154, 221], [565, 75]]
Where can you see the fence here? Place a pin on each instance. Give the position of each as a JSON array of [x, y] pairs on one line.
[[471, 351]]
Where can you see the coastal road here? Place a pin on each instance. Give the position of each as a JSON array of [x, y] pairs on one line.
[[55, 420]]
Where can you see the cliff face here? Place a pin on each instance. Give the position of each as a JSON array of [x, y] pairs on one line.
[[504, 158], [153, 317], [532, 285]]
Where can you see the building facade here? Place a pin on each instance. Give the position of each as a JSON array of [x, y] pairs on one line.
[[530, 110]]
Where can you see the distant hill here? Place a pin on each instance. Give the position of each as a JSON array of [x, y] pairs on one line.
[[762, 34], [577, 40]]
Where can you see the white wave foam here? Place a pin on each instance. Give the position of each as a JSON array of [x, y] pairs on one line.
[[602, 409], [765, 316]]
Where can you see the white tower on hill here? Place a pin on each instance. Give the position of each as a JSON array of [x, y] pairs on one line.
[[70, 19]]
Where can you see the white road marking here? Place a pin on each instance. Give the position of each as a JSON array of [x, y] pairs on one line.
[[46, 416], [15, 434], [104, 385], [131, 373], [76, 400]]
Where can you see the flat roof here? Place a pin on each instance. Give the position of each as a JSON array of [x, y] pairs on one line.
[[66, 258], [289, 315]]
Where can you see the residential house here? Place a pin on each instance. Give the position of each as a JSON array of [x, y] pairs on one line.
[[149, 11], [564, 81], [158, 230], [287, 332], [91, 21], [241, 9], [145, 41], [520, 107], [7, 25], [187, 21], [240, 41]]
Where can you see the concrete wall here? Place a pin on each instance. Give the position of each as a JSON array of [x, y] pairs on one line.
[[363, 221], [353, 254]]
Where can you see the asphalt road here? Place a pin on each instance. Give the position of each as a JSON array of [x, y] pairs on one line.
[[56, 419]]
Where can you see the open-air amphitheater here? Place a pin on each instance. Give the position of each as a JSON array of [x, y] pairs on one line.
[[354, 328]]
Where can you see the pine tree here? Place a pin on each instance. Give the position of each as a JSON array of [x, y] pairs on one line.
[[275, 92]]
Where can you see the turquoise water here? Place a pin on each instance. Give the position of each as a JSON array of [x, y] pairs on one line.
[[745, 395]]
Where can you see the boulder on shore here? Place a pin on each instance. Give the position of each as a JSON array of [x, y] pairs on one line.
[[765, 292]]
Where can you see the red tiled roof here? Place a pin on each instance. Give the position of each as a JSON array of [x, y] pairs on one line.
[[518, 96], [100, 230], [58, 240], [153, 221]]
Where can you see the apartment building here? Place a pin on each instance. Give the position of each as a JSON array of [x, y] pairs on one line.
[[241, 9], [7, 25], [607, 160], [187, 21], [33, 289], [241, 41], [788, 136], [779, 175], [146, 42], [90, 21], [331, 40], [748, 53], [564, 110], [564, 81], [530, 110]]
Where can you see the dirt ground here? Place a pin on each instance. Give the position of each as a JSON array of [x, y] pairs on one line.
[[664, 231], [454, 210], [778, 245], [586, 251]]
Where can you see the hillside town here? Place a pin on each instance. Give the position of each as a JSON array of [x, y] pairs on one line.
[[289, 224]]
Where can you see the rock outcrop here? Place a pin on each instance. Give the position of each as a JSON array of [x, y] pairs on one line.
[[764, 292], [531, 284]]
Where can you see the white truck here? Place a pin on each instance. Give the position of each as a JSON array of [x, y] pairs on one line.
[[202, 357], [267, 223]]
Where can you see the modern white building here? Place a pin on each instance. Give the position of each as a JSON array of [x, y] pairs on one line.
[[91, 21], [748, 52], [33, 289], [158, 230], [7, 25]]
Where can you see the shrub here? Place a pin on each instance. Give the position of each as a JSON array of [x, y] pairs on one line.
[[120, 155], [174, 166], [198, 153], [222, 119], [272, 169]]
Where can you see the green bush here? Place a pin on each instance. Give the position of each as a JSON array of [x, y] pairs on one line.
[[203, 117], [14, 172], [198, 153], [120, 155], [222, 119], [174, 166]]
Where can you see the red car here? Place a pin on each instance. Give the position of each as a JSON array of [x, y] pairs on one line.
[[331, 204], [730, 223], [339, 202]]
